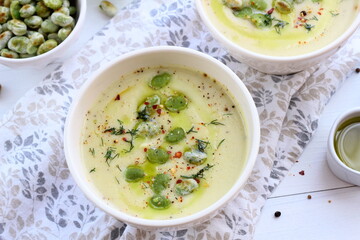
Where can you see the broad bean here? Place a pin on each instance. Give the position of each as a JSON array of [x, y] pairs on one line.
[[47, 46], [4, 39], [160, 182], [148, 129], [8, 53], [108, 8], [63, 33], [195, 157], [176, 103], [186, 186], [49, 27], [157, 155], [134, 174], [42, 10], [53, 4], [33, 22], [4, 14], [27, 10], [61, 19], [18, 44], [283, 6], [160, 80], [15, 9], [16, 26], [36, 39], [159, 202], [175, 135]]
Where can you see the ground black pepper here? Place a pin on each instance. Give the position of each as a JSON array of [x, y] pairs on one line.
[[357, 70], [309, 197], [277, 214]]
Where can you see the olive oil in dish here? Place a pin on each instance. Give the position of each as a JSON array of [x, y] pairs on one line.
[[347, 143]]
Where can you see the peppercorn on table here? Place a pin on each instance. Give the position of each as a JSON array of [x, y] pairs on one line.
[[286, 197]]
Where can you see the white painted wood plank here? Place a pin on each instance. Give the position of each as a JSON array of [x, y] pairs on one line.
[[312, 219]]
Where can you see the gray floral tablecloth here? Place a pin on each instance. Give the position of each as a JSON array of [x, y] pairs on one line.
[[38, 197]]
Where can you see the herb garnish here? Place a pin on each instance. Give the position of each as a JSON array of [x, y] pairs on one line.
[[202, 145], [117, 180], [92, 151], [132, 133], [102, 142], [92, 170], [191, 130], [220, 143], [115, 131], [308, 27], [279, 25], [143, 114], [110, 154], [200, 173], [314, 18], [117, 166], [334, 13], [215, 122]]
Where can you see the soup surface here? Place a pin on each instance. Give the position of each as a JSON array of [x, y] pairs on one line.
[[281, 28], [164, 142]]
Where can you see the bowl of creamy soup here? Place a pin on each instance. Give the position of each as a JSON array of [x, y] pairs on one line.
[[280, 36], [162, 137]]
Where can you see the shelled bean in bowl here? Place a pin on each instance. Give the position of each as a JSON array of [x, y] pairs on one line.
[[34, 33], [162, 137], [281, 36]]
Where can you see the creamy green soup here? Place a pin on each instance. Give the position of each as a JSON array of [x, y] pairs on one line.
[[281, 28], [164, 142]]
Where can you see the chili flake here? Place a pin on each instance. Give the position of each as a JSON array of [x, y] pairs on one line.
[[302, 172]]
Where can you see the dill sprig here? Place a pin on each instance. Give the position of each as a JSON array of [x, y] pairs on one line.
[[110, 155], [200, 173], [220, 143], [132, 133], [116, 131], [202, 145], [215, 122], [191, 130], [92, 151], [92, 170]]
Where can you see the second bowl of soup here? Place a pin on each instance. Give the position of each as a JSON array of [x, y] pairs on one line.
[[280, 36]]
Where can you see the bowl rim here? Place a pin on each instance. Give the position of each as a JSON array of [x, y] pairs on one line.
[[278, 59], [78, 26], [353, 112], [181, 221]]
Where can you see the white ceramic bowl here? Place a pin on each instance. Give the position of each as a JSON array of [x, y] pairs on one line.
[[341, 170], [276, 64], [154, 57], [60, 52]]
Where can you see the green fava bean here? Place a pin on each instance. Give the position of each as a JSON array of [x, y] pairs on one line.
[[159, 202], [54, 36], [72, 10], [47, 46], [160, 81], [4, 39], [18, 44], [8, 53], [283, 6], [195, 157], [27, 55], [15, 9], [148, 129], [61, 19], [63, 33], [4, 14], [245, 12], [175, 135], [36, 39], [42, 10], [134, 174], [31, 49], [176, 103], [146, 109], [261, 20], [157, 155], [160, 182], [1, 28], [33, 21], [186, 186], [64, 10], [49, 27], [16, 26], [27, 11], [53, 4], [66, 3], [108, 8]]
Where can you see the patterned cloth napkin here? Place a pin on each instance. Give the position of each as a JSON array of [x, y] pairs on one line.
[[38, 197]]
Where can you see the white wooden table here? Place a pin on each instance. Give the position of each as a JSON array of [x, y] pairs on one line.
[[332, 213]]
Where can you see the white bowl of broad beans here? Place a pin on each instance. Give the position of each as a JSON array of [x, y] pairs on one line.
[[36, 33]]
